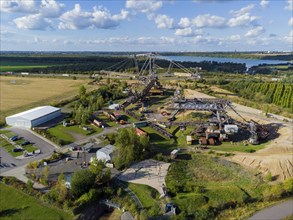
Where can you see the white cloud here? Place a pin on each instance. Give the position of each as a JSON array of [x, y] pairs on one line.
[[184, 22], [242, 20], [290, 22], [164, 21], [289, 5], [208, 20], [99, 18], [264, 3], [242, 11], [254, 32], [148, 6], [184, 32], [51, 9], [33, 22], [21, 6], [75, 19], [235, 37]]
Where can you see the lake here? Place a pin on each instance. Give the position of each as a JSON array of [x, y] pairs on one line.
[[248, 62]]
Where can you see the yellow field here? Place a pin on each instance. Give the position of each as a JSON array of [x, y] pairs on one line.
[[21, 93]]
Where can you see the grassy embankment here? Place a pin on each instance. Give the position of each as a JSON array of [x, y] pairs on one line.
[[206, 185], [17, 205]]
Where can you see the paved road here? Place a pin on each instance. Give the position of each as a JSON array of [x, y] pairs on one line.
[[276, 212]]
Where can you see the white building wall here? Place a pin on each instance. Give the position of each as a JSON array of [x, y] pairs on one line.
[[102, 156], [18, 122]]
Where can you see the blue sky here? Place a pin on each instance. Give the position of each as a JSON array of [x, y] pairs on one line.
[[153, 25]]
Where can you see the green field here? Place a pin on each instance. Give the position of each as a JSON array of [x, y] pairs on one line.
[[17, 205], [228, 147], [69, 134]]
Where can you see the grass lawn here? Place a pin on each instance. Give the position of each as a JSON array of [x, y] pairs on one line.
[[67, 133], [228, 147], [60, 132], [17, 205], [147, 195]]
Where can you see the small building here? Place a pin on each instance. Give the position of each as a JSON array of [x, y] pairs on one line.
[[87, 147], [105, 153], [140, 132], [174, 153], [33, 117], [189, 139], [140, 124], [231, 129], [114, 106]]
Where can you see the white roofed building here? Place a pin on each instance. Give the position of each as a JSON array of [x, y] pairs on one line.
[[33, 117], [105, 153]]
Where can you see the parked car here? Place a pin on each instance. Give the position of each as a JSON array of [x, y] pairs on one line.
[[17, 149], [25, 143], [14, 138]]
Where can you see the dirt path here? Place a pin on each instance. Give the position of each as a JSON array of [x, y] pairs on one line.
[[277, 157]]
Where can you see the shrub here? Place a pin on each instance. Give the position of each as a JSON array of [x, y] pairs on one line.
[[269, 176], [288, 185], [274, 192]]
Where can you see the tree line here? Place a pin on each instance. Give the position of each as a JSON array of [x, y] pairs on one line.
[[89, 64]]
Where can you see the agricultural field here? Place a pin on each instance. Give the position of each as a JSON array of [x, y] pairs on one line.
[[17, 205], [21, 93]]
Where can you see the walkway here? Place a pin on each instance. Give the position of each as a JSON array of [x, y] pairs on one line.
[[276, 212], [132, 194]]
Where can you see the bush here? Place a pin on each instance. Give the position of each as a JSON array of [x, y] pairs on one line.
[[274, 192], [269, 176], [288, 185]]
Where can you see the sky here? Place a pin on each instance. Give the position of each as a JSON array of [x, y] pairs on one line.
[[152, 25]]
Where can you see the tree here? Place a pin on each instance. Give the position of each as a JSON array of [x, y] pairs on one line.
[[82, 91], [96, 168], [107, 176], [131, 147], [81, 182]]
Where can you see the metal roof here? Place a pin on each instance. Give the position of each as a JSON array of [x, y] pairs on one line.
[[35, 112], [107, 149]]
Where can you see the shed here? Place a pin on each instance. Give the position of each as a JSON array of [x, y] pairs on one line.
[[114, 106], [230, 129], [33, 117], [88, 147], [105, 153], [189, 139]]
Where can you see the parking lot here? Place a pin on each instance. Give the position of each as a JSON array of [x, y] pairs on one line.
[[8, 162]]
